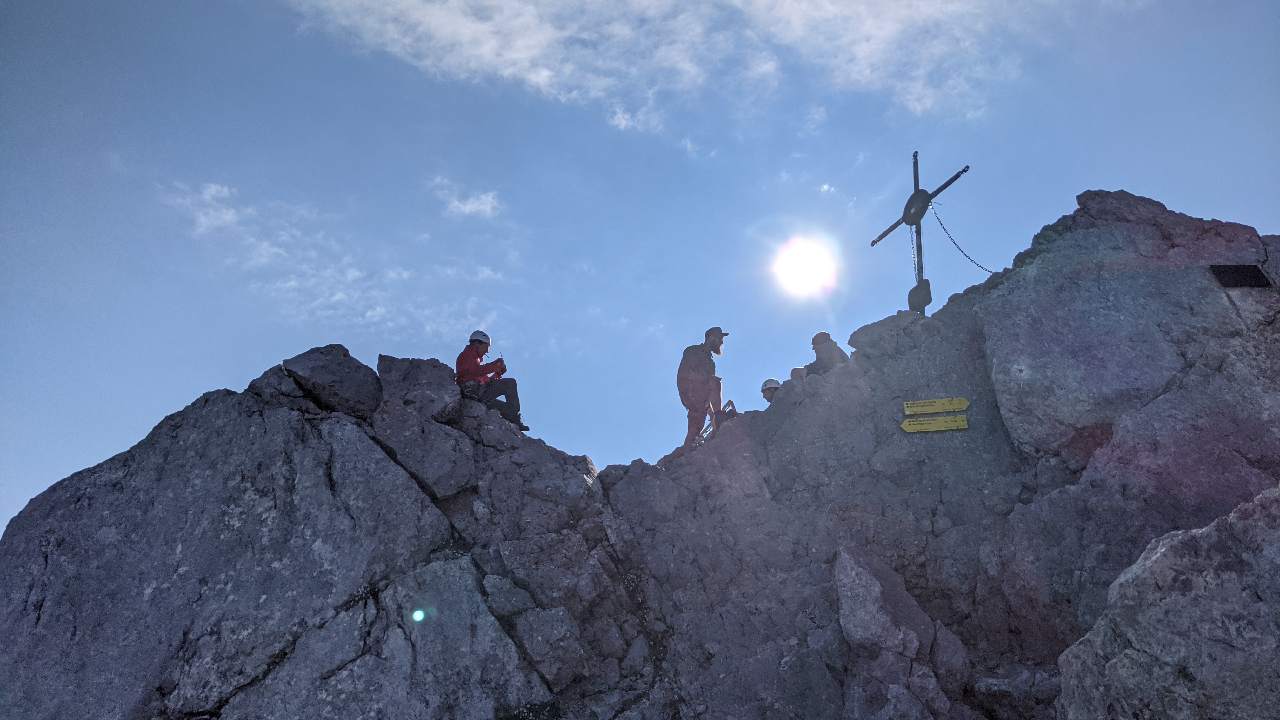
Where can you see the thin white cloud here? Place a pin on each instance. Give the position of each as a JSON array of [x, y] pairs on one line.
[[484, 204], [645, 118], [467, 272], [925, 53], [814, 119], [696, 151], [286, 254], [210, 206], [262, 252], [455, 319]]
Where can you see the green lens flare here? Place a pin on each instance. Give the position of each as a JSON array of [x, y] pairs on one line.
[[418, 615]]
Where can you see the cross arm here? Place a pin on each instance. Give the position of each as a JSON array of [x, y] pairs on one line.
[[952, 179]]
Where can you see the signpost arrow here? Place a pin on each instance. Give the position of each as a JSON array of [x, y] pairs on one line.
[[922, 407], [935, 424]]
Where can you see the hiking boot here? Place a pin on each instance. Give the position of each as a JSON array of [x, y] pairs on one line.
[[518, 423]]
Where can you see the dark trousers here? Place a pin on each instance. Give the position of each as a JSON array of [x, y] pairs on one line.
[[701, 400], [502, 388]]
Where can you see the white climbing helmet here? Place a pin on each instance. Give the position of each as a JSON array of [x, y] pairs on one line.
[[770, 383], [480, 335]]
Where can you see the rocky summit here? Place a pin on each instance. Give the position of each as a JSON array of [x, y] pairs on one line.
[[1102, 541]]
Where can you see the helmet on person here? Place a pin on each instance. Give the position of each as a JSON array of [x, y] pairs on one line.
[[481, 336], [770, 383]]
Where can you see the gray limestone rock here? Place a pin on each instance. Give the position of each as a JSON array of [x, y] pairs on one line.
[[336, 381], [436, 455], [1008, 533], [894, 643], [741, 594], [551, 639], [277, 387], [427, 386], [1014, 690], [504, 598], [637, 656], [375, 659], [1191, 631], [174, 577]]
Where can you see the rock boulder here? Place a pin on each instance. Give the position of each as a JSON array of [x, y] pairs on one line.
[[336, 381], [1191, 631]]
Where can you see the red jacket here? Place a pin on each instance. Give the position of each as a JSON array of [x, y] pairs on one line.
[[470, 368]]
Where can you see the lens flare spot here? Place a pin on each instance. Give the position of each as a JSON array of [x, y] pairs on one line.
[[419, 616], [805, 267]]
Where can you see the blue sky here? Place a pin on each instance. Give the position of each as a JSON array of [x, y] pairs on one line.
[[191, 192]]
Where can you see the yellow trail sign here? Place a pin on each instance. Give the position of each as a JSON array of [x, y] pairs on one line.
[[922, 407], [934, 424]]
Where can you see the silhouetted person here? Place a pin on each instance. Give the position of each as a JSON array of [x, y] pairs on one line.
[[700, 389], [827, 355]]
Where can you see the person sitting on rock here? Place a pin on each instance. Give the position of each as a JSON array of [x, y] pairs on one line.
[[827, 355], [700, 389], [484, 382], [769, 388]]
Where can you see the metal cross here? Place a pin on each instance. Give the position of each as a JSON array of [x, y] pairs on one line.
[[917, 205]]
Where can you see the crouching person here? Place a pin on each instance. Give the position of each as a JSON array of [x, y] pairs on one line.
[[484, 382], [827, 355]]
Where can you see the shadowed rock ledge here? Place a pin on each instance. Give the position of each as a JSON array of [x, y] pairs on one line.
[[336, 542]]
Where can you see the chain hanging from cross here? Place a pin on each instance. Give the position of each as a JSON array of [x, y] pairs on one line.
[[917, 205]]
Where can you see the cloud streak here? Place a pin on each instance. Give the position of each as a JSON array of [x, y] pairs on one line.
[[210, 207], [288, 255], [925, 54], [485, 205]]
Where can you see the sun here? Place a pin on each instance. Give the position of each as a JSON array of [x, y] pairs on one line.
[[805, 267]]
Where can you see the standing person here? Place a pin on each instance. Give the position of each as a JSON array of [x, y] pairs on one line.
[[700, 389], [484, 382]]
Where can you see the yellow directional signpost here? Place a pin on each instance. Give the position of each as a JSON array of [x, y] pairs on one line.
[[935, 424], [924, 407]]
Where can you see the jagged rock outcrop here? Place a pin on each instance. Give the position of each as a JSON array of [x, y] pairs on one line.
[[335, 542], [905, 658], [262, 554], [1191, 630], [336, 381]]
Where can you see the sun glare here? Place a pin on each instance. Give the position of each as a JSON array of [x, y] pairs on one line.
[[805, 267]]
